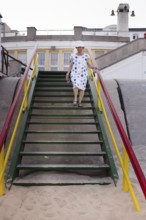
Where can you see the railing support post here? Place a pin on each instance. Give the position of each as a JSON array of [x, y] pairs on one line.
[[126, 167], [1, 168], [35, 66]]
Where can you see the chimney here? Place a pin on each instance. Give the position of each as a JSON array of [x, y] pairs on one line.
[[123, 22]]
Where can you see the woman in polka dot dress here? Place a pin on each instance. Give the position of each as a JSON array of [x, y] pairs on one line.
[[79, 73]]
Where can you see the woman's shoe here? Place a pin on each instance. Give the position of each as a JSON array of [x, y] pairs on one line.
[[80, 105], [75, 103]]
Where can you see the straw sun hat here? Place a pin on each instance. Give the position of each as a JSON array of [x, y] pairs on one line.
[[79, 44]]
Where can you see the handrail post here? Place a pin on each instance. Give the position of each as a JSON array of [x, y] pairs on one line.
[[126, 167], [35, 66], [90, 70], [1, 168]]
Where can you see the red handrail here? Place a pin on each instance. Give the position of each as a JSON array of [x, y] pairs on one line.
[[125, 139], [6, 126]]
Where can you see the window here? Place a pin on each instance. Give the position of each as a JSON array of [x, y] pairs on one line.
[[66, 60], [41, 61], [135, 36], [54, 61]]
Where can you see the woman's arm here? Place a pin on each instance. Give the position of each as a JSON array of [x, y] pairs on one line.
[[69, 70], [90, 66]]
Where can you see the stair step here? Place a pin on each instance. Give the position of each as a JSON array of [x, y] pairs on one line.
[[62, 153], [59, 76], [42, 80], [57, 95], [60, 108], [59, 183], [54, 78], [62, 166], [56, 101], [41, 72], [63, 123], [53, 73], [63, 115], [56, 89], [60, 132], [54, 84], [61, 179], [61, 142], [68, 91]]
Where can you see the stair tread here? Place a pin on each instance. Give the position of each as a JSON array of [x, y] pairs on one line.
[[57, 101], [60, 108], [50, 80], [47, 153], [62, 132], [67, 123], [50, 86], [61, 142], [63, 115], [57, 89], [52, 76], [62, 166], [61, 179]]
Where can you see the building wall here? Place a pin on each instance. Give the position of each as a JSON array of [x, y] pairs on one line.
[[133, 67], [48, 47], [47, 44]]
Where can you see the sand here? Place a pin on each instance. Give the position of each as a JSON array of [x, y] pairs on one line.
[[87, 202]]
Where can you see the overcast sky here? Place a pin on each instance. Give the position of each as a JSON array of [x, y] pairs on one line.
[[65, 14]]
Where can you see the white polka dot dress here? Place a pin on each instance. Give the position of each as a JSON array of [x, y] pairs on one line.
[[79, 71]]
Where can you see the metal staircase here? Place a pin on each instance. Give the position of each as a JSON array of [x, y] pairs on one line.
[[58, 143]]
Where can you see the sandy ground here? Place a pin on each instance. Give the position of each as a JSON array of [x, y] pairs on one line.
[[87, 202]]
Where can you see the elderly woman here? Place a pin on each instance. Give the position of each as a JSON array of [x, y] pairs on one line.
[[79, 73]]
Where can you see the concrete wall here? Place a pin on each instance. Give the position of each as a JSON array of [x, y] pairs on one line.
[[121, 53], [131, 68], [126, 62]]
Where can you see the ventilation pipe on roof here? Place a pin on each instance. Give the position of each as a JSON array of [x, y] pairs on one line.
[[123, 20]]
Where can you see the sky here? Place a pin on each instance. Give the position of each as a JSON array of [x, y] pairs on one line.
[[65, 14]]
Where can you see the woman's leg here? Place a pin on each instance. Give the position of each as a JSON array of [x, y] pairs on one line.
[[81, 96], [75, 91]]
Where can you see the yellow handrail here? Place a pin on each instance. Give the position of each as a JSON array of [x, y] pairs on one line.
[[123, 166]]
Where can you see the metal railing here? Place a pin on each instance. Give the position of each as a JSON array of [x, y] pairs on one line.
[[24, 84], [5, 61], [128, 150]]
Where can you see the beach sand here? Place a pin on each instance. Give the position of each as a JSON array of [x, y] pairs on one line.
[[80, 202]]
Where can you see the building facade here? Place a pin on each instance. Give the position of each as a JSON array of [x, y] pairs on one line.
[[55, 47]]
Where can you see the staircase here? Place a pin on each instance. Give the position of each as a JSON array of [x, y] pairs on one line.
[[59, 144]]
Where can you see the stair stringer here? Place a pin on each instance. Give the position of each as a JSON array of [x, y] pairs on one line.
[[18, 142], [106, 145]]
